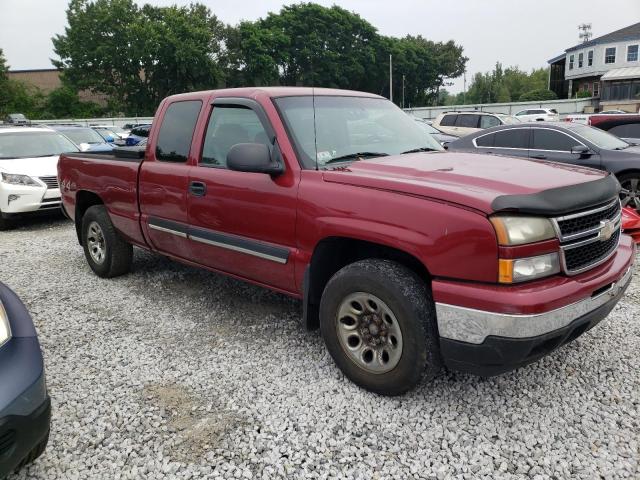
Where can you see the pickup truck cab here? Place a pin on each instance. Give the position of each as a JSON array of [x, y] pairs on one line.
[[405, 256]]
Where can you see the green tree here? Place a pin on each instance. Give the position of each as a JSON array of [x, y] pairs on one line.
[[64, 102], [538, 95], [137, 56]]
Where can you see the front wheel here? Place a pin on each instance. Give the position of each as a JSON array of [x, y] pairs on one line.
[[630, 192], [107, 253], [378, 322]]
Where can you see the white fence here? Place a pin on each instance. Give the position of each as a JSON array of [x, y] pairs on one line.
[[564, 107], [117, 121]]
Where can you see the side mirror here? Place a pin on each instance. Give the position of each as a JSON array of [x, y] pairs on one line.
[[581, 150], [253, 157], [84, 147]]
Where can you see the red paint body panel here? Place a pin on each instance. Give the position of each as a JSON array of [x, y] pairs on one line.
[[433, 206]]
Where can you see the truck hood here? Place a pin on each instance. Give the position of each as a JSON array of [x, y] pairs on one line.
[[468, 179], [34, 167]]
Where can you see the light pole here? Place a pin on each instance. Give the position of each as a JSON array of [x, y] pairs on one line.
[[402, 90], [391, 77]]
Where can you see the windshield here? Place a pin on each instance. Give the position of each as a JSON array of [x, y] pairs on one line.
[[347, 126], [426, 127], [83, 135], [33, 144], [599, 138]]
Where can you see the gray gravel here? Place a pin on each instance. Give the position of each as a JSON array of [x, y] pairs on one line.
[[173, 372]]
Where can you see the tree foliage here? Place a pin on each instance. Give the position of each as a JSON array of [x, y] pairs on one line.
[[137, 56], [538, 95], [503, 85]]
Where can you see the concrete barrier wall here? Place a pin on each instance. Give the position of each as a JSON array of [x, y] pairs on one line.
[[564, 107], [117, 121]]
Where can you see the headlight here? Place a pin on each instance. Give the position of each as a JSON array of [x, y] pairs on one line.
[[5, 329], [520, 230], [523, 269], [15, 179]]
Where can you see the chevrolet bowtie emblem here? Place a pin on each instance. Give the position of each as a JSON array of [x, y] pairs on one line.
[[607, 229]]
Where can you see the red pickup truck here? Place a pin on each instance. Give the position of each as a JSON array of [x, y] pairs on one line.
[[406, 256]]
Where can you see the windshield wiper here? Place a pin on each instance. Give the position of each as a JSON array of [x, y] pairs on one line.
[[356, 156], [420, 149]]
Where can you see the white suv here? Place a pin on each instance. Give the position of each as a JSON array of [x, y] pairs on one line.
[[466, 123], [538, 115], [28, 171]]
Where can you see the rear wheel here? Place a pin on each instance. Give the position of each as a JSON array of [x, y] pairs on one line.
[[377, 319], [630, 193], [107, 253]]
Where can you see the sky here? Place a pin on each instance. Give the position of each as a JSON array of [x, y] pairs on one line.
[[519, 33]]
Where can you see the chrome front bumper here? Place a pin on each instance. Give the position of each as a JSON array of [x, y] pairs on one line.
[[474, 326]]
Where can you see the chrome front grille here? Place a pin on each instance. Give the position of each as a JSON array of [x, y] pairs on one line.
[[588, 238], [50, 182]]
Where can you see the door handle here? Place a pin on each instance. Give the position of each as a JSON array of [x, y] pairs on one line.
[[539, 157], [197, 189]]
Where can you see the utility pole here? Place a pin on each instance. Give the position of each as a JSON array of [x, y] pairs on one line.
[[585, 32], [402, 90], [391, 77], [464, 88]]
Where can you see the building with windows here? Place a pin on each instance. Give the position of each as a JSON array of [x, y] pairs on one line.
[[607, 67]]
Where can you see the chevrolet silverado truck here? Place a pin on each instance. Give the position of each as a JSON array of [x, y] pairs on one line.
[[405, 256]]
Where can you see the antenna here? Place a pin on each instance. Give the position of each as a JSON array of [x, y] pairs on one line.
[[315, 133], [585, 32]]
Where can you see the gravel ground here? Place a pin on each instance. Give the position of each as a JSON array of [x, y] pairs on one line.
[[174, 372]]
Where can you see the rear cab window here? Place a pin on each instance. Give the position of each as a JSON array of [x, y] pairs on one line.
[[176, 132]]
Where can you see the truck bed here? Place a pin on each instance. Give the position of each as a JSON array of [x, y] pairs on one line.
[[110, 176]]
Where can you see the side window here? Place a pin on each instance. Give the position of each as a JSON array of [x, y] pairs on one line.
[[467, 121], [228, 126], [515, 138], [176, 131], [448, 120], [488, 121], [486, 140], [544, 139], [630, 130]]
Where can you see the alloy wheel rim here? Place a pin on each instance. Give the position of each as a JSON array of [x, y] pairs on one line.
[[96, 243], [369, 333], [630, 193]]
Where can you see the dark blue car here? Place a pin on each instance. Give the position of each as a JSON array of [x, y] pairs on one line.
[[25, 407]]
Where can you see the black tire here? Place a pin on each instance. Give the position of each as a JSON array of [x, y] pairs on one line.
[[627, 182], [409, 299], [117, 254], [5, 224], [35, 453]]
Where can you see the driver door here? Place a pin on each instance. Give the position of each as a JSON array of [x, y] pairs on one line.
[[242, 223]]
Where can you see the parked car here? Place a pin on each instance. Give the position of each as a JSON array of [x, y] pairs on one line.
[[460, 124], [572, 143], [631, 223], [86, 138], [612, 112], [405, 256], [137, 134], [538, 115], [111, 133], [16, 119], [625, 126], [28, 175], [25, 407], [441, 137]]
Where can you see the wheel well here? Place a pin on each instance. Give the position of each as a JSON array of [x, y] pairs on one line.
[[626, 172], [331, 254], [84, 200]]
